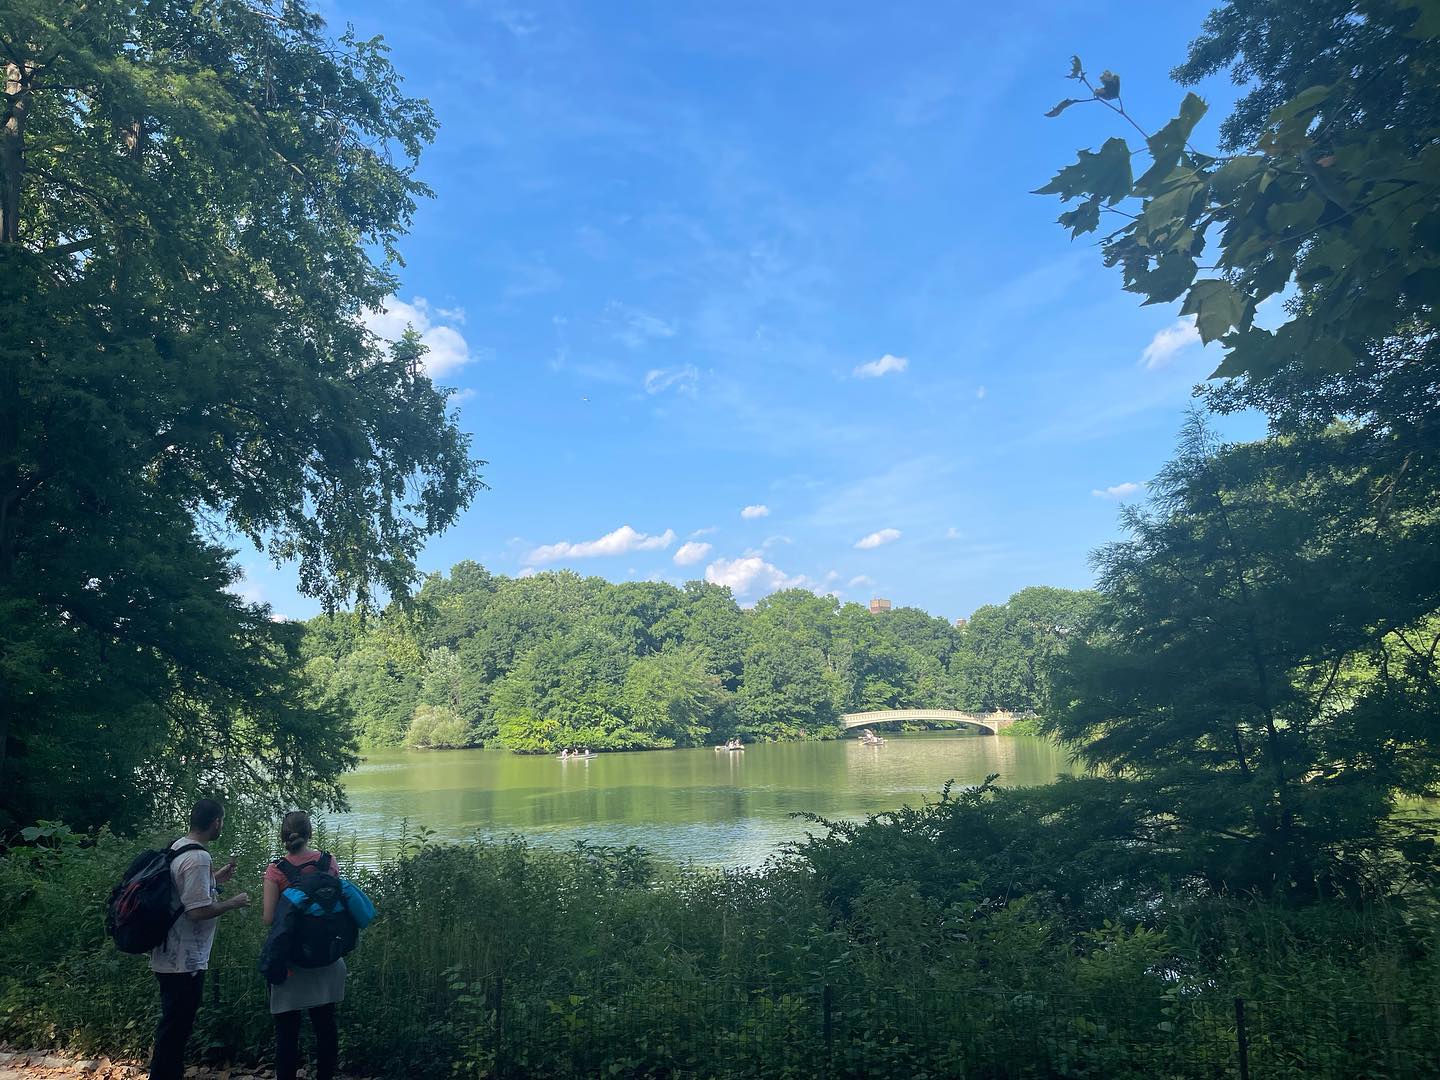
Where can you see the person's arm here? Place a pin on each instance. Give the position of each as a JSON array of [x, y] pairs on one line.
[[197, 890], [215, 910], [271, 897]]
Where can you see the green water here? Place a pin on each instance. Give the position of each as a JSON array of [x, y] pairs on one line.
[[717, 809]]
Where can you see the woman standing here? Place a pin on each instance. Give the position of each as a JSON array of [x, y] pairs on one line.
[[317, 989]]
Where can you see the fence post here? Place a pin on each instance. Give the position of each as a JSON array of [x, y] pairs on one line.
[[1242, 1039], [827, 1005], [499, 993]]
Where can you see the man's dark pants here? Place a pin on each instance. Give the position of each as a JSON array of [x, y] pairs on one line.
[[179, 1001]]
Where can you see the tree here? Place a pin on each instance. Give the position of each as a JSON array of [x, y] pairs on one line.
[[1007, 649], [710, 619], [565, 691], [673, 697], [190, 196], [788, 690], [1337, 196], [436, 727], [1262, 666], [1264, 661]]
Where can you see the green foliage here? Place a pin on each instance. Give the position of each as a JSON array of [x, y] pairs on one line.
[[197, 201], [1337, 199], [1007, 649], [943, 934], [674, 698], [436, 727], [553, 660], [1264, 660]]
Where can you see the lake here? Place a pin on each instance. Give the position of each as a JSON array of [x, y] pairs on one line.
[[714, 809]]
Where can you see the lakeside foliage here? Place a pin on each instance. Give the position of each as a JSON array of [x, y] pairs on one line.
[[538, 663], [980, 931], [1257, 680]]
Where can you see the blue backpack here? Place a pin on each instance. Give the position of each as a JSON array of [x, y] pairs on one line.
[[318, 919]]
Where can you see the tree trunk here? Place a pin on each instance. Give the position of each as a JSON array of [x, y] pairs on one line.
[[12, 174], [12, 151]]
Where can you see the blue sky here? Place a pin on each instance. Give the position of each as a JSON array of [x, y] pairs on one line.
[[687, 259]]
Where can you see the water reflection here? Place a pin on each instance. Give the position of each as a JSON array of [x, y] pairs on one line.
[[719, 809]]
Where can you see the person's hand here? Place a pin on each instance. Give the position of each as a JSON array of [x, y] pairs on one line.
[[225, 873], [239, 900]]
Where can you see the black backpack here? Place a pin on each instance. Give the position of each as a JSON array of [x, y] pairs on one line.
[[142, 908], [319, 924]]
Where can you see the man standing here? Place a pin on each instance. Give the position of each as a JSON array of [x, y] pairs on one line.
[[179, 964]]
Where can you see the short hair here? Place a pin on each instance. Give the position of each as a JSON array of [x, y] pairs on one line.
[[205, 813]]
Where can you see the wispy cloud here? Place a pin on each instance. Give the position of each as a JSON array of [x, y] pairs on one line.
[[690, 552], [619, 542], [635, 328], [1170, 342], [878, 539], [860, 581], [1116, 491], [980, 393], [682, 380], [446, 348], [884, 366], [759, 510], [707, 531]]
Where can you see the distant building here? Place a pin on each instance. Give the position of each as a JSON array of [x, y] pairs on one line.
[[879, 604], [960, 624]]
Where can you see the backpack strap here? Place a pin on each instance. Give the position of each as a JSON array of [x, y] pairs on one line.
[[326, 862], [173, 853]]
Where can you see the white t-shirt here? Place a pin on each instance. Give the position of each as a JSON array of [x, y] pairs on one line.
[[188, 946]]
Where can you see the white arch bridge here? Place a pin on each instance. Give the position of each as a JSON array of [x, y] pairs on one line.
[[991, 722]]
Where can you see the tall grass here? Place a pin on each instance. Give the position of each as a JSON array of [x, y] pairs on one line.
[[494, 957]]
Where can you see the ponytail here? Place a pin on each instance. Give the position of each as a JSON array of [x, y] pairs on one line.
[[295, 830]]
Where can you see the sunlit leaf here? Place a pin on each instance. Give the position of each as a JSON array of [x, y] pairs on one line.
[[1217, 306]]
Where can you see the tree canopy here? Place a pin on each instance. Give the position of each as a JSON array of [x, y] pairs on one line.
[[198, 201], [538, 663], [1258, 682]]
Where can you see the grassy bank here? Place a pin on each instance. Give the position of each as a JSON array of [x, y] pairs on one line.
[[502, 958]]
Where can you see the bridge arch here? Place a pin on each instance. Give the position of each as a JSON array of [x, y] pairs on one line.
[[992, 722]]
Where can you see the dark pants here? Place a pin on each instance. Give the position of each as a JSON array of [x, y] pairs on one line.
[[287, 1043], [179, 1001]]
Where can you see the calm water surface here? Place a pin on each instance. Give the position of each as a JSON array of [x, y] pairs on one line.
[[711, 808]]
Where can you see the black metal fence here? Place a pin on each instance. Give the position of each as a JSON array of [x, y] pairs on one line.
[[698, 1028]]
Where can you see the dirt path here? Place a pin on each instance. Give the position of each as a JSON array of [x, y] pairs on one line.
[[43, 1066]]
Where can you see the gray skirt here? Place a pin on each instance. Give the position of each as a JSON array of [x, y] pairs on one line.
[[308, 988]]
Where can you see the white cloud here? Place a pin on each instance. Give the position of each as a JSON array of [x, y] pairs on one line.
[[1170, 343], [876, 539], [1117, 491], [619, 542], [681, 379], [886, 364], [446, 347], [692, 551], [750, 575], [759, 510], [952, 533], [635, 328], [529, 571], [861, 581], [708, 530], [980, 392]]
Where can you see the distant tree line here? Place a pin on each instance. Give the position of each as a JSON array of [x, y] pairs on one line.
[[539, 663]]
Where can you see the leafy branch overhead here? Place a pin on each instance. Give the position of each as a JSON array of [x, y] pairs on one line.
[[1328, 207]]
